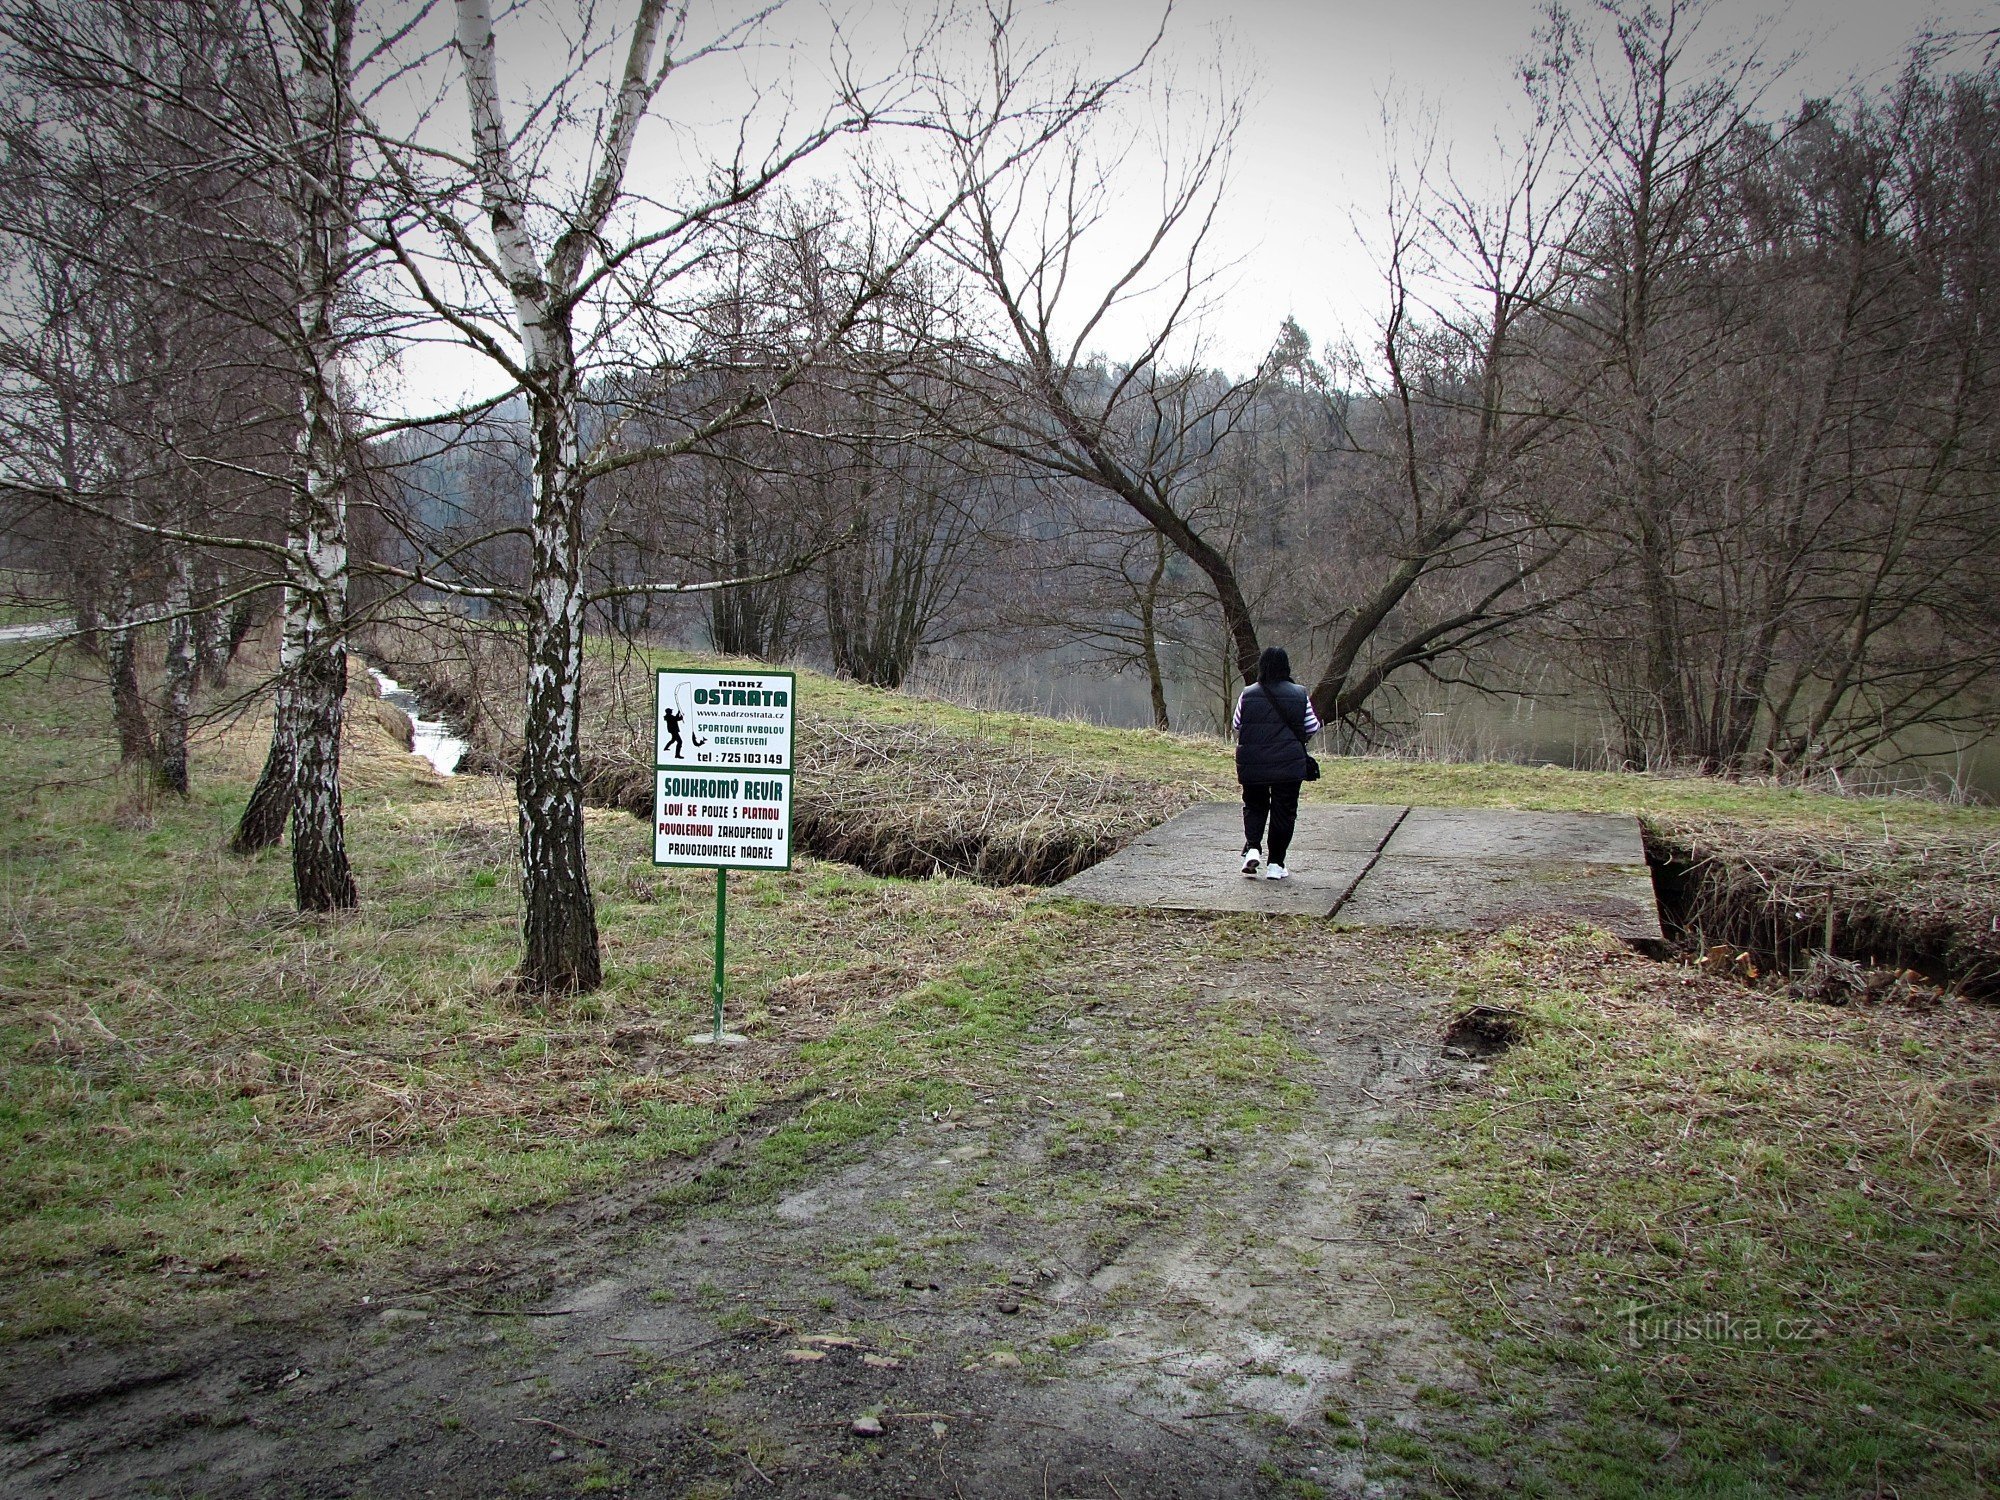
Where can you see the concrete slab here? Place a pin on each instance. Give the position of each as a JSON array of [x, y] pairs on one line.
[[1190, 862], [1456, 896], [1446, 869], [1455, 868], [1461, 833]]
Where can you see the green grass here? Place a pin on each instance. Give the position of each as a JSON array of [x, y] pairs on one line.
[[1752, 1239], [621, 694], [1168, 757], [204, 1088], [21, 596], [204, 1091]]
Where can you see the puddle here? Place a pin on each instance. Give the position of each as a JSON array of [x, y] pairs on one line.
[[431, 738]]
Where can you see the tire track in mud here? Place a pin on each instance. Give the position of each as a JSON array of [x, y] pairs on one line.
[[1023, 1299]]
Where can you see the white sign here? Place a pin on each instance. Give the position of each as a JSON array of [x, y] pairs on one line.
[[733, 821], [722, 770], [725, 719]]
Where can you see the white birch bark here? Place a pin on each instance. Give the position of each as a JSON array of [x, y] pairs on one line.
[[321, 877], [559, 917], [302, 770]]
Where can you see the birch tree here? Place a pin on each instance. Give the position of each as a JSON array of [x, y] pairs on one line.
[[236, 134], [301, 773], [550, 282]]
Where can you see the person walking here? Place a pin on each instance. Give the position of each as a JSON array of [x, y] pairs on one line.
[[1274, 719]]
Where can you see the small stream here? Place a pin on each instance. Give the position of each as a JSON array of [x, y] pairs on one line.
[[433, 739]]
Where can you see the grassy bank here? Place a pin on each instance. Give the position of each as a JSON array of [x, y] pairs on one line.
[[1721, 1242], [480, 677], [910, 787], [1691, 1237], [205, 1089]]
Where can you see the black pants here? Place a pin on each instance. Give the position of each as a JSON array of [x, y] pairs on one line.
[[1280, 803]]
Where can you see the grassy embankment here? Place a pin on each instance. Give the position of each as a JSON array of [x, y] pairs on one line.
[[907, 787], [618, 714], [1722, 1240], [204, 1090]]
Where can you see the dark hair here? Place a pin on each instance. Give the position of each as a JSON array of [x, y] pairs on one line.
[[1273, 666]]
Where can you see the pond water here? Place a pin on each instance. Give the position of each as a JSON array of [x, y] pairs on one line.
[[432, 739], [1441, 723]]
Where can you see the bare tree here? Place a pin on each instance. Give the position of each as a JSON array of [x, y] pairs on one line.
[[1445, 543], [1782, 454], [1658, 127], [546, 280], [1867, 609], [239, 110], [1141, 430], [145, 366], [916, 496]]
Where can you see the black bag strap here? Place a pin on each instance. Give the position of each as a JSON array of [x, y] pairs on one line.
[[1299, 727]]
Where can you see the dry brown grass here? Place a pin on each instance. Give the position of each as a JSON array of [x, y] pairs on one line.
[[1841, 1092], [907, 799], [1926, 900], [910, 800]]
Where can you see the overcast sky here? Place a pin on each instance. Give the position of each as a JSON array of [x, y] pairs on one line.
[[1304, 198], [1309, 168]]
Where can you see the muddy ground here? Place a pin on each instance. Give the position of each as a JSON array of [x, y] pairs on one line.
[[988, 1304]]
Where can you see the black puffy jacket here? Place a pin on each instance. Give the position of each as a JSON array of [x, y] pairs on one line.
[[1271, 739]]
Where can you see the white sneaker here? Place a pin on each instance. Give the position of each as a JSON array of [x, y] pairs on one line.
[[1276, 872], [1250, 858]]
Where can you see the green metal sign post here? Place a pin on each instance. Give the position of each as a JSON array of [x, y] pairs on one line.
[[721, 931]]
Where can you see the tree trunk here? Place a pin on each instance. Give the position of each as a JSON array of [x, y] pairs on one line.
[[128, 704], [1664, 685], [559, 915], [302, 767], [1149, 638], [270, 805], [559, 918], [1102, 465], [242, 615], [89, 617], [321, 876], [211, 626], [170, 759]]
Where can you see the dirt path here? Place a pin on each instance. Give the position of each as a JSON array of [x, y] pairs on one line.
[[1062, 1291]]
